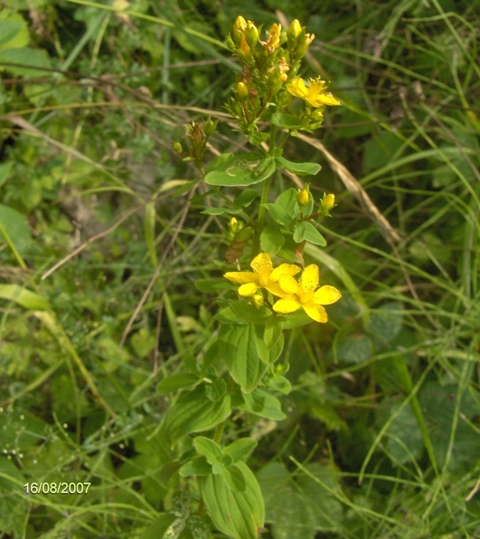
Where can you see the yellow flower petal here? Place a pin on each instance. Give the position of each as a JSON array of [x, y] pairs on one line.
[[286, 305], [310, 277], [262, 263], [316, 312], [288, 284], [247, 289], [297, 88], [326, 295], [275, 289], [289, 269], [240, 277], [327, 99]]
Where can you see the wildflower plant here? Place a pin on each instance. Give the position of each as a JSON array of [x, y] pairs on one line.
[[240, 371]]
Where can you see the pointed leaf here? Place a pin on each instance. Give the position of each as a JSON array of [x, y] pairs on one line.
[[22, 296], [298, 168]]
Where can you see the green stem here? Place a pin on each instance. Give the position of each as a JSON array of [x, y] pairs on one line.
[[263, 199]]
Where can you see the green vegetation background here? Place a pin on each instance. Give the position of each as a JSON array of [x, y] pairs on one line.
[[382, 438]]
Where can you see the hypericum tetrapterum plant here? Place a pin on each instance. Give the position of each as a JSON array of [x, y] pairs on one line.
[[238, 370]]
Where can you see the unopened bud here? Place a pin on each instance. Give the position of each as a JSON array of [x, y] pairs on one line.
[[177, 147], [241, 90], [327, 203], [209, 127], [295, 28], [238, 29], [303, 197], [233, 225], [244, 47], [251, 34]]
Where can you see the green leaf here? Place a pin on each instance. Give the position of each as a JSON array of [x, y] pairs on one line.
[[240, 170], [288, 121], [312, 235], [263, 404], [271, 239], [298, 168], [273, 331], [246, 197], [354, 349], [299, 232], [278, 214], [25, 298], [209, 449], [30, 62], [177, 381], [237, 514], [280, 384], [194, 412], [234, 477], [194, 467], [240, 449], [221, 211], [15, 225], [250, 313], [9, 30], [288, 201], [212, 285], [386, 323], [238, 348], [216, 390], [13, 30]]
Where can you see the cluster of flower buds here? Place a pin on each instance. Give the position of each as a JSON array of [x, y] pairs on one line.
[[267, 66], [196, 137], [268, 79]]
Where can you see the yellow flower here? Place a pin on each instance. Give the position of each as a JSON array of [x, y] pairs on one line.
[[263, 276], [314, 94], [304, 295]]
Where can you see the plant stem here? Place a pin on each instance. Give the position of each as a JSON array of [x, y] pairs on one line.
[[263, 200]]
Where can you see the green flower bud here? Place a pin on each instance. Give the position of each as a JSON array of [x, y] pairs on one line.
[[177, 147], [251, 34]]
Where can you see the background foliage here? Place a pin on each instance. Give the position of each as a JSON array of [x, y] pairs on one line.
[[101, 246]]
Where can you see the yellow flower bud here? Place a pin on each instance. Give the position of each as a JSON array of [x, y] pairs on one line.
[[238, 29], [244, 47], [328, 202], [241, 90], [303, 197], [295, 28]]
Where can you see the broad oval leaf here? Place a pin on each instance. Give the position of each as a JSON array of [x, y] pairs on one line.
[[238, 348], [237, 514], [195, 412]]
